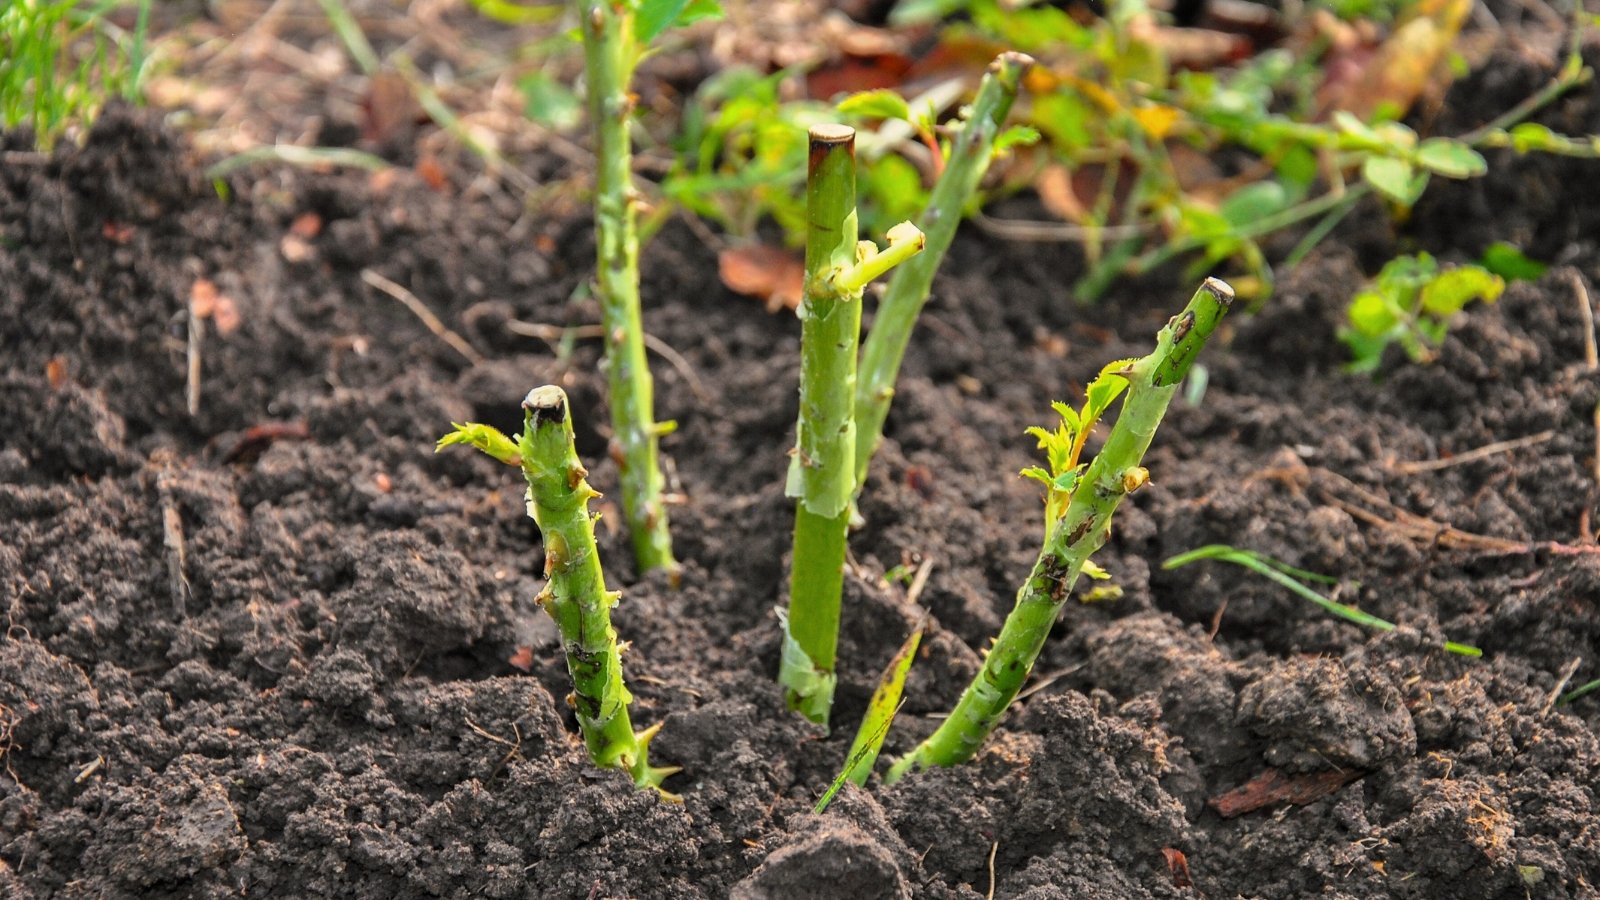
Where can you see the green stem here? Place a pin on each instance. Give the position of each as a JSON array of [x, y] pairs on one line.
[[575, 594], [820, 477], [609, 56], [885, 346], [1152, 381]]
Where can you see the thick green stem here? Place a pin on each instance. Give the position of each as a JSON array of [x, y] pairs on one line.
[[609, 55], [1114, 472], [575, 595], [820, 477], [885, 346]]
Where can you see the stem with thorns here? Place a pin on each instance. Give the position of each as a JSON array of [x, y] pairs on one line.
[[575, 595], [885, 346], [1115, 471], [609, 53], [821, 472]]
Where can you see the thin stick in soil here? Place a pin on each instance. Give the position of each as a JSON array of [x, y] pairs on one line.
[[575, 595], [609, 52], [1076, 535]]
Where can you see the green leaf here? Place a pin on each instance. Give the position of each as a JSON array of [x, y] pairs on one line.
[[922, 12], [1254, 202], [1450, 158], [1452, 290], [880, 715], [1394, 178], [508, 12], [655, 16], [549, 102], [485, 438], [1066, 482], [876, 104], [1533, 136], [1037, 474], [1372, 314], [1069, 416], [1102, 391], [1510, 263], [1015, 136]]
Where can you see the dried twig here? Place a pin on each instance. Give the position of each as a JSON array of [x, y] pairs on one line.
[[919, 581], [172, 536], [1484, 452], [552, 335], [410, 301], [1567, 672], [1367, 506], [197, 336], [1591, 358]]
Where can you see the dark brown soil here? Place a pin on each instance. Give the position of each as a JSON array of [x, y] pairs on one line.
[[325, 704]]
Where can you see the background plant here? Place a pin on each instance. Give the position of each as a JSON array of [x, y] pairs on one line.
[[1411, 303], [61, 61]]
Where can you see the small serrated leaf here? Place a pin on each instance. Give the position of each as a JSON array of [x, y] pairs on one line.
[[484, 438]]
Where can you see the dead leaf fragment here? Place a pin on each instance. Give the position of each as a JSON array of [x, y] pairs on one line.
[[1272, 787], [432, 174], [306, 225], [116, 232], [1177, 867], [202, 298], [522, 658], [769, 274], [55, 372]]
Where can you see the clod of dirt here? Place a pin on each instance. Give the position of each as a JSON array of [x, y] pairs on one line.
[[835, 859]]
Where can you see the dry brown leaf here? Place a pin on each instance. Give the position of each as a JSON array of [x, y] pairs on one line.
[[1401, 68], [202, 298], [432, 174], [773, 276], [522, 658], [55, 372], [306, 225], [1058, 196]]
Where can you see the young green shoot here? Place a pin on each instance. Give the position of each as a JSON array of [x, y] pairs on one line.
[[1294, 579], [875, 724], [1082, 527], [575, 595], [907, 292], [822, 469], [610, 50], [1412, 302]]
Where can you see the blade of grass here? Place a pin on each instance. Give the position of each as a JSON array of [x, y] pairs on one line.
[[1286, 576], [886, 702]]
